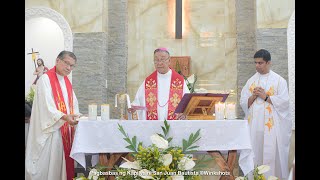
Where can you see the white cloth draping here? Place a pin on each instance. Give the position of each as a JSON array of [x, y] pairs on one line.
[[94, 136]]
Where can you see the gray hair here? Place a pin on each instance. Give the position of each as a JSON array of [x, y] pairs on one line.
[[64, 53]]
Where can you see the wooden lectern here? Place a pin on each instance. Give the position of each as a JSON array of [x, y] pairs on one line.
[[199, 106]]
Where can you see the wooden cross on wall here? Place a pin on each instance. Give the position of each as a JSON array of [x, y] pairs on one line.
[[33, 56]]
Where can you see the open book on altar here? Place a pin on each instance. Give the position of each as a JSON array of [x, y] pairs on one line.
[[200, 106]]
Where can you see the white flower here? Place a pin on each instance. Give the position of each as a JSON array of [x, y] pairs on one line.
[[166, 159], [186, 164], [130, 165], [145, 174], [273, 178], [177, 178], [263, 168], [93, 174], [239, 178], [159, 141], [191, 79]]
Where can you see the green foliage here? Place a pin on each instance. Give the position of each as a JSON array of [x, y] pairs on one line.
[[30, 96], [132, 142], [165, 130], [189, 84], [187, 146]]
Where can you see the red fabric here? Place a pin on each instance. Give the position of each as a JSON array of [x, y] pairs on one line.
[[67, 138], [151, 95]]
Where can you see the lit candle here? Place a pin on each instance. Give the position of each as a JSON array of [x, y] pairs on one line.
[[92, 111], [105, 112], [231, 111]]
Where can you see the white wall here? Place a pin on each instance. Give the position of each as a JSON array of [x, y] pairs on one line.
[[46, 37]]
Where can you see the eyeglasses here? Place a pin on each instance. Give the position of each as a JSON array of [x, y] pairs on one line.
[[160, 60], [68, 64]]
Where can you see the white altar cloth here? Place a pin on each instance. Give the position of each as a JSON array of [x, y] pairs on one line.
[[94, 136]]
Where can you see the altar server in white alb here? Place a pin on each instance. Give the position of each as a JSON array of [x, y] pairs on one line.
[[265, 101], [52, 121], [161, 91]]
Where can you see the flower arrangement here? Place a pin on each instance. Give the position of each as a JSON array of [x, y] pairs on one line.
[[160, 161], [258, 174]]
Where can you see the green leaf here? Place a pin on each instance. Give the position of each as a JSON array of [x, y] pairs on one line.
[[132, 143], [166, 125], [131, 148], [196, 135], [161, 135], [188, 145], [127, 139], [193, 147], [165, 130], [184, 144], [190, 137]]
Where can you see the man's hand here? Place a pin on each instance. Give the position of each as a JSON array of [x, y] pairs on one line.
[[70, 118], [131, 110], [259, 91]]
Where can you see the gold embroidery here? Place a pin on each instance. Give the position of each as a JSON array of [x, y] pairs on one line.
[[151, 99], [175, 100], [152, 114], [171, 115], [249, 119], [151, 84], [269, 124], [269, 109], [62, 106], [177, 84], [253, 85], [270, 92]]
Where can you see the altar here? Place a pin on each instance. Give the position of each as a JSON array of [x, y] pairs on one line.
[[100, 137]]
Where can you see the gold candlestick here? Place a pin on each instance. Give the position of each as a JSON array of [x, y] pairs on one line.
[[122, 98]]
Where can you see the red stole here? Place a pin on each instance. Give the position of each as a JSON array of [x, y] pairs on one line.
[[151, 95], [67, 138]]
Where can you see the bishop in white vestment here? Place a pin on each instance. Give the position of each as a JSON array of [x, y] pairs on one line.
[[265, 101]]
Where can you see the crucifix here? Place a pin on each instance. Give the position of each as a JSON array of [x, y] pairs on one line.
[[33, 56]]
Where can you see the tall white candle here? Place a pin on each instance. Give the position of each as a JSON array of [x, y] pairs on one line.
[[116, 100], [219, 110], [128, 101], [92, 111], [231, 111], [105, 112]]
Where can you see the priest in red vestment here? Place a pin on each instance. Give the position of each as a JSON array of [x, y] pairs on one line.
[[161, 91], [54, 110]]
